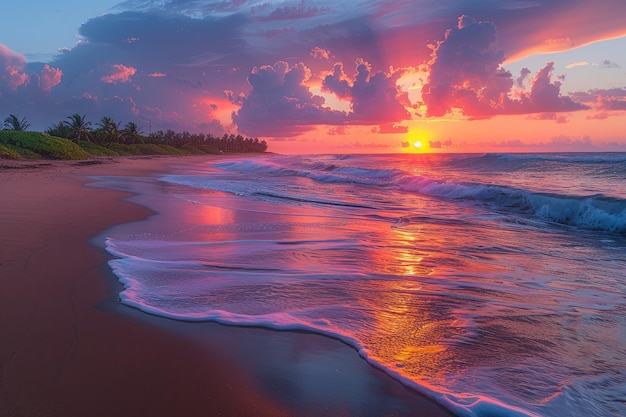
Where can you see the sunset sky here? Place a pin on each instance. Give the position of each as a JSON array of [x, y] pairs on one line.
[[327, 76]]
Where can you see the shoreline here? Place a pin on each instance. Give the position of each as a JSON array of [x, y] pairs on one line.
[[69, 348]]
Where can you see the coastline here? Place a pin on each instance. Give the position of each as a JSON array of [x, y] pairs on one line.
[[70, 349]]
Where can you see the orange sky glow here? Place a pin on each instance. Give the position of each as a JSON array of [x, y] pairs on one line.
[[317, 77]]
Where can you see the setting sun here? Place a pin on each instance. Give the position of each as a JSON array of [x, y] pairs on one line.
[[417, 141]]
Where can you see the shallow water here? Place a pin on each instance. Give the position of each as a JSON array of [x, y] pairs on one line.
[[493, 283]]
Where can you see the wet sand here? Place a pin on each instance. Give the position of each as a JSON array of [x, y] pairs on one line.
[[68, 348]]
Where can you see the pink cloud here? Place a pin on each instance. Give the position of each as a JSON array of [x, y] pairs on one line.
[[437, 144], [603, 99], [200, 55], [337, 130], [375, 99], [558, 118], [599, 116], [612, 103], [280, 104], [11, 58], [118, 73], [320, 53], [11, 64], [13, 75], [392, 128], [50, 77], [466, 74]]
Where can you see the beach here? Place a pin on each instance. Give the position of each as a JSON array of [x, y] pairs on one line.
[[69, 348]]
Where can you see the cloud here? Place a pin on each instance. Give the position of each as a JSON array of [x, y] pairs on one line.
[[320, 53], [583, 143], [49, 78], [280, 104], [603, 99], [374, 99], [599, 116], [555, 143], [11, 64], [337, 130], [185, 52], [300, 11], [11, 58], [545, 95], [607, 63], [558, 118], [524, 73], [363, 145], [13, 74], [437, 144], [337, 82], [14, 78], [171, 64], [611, 103], [577, 64], [391, 128], [466, 74], [118, 73]]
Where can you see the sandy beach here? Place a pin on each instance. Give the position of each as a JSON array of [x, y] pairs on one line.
[[68, 348]]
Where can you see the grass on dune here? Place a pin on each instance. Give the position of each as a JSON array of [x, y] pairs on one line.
[[29, 145], [33, 145]]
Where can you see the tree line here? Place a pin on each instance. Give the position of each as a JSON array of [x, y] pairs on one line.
[[106, 132]]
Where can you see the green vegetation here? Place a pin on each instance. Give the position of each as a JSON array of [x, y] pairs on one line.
[[30, 145], [75, 138]]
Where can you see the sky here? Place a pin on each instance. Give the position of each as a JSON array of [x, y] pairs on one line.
[[326, 76]]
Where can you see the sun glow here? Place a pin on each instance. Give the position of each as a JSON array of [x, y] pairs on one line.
[[417, 141]]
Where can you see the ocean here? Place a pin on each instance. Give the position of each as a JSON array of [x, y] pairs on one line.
[[493, 283]]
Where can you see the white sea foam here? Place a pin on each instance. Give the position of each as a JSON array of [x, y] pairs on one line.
[[457, 288], [592, 212]]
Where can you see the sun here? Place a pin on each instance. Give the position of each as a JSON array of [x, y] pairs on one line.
[[417, 141]]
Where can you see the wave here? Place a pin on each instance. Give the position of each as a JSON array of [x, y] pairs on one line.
[[596, 212], [164, 278], [566, 158], [318, 171], [593, 212]]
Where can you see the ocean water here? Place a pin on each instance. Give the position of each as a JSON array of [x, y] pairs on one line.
[[494, 283]]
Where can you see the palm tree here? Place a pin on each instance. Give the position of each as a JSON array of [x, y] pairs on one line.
[[80, 129], [13, 122], [132, 133], [109, 130], [60, 130]]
